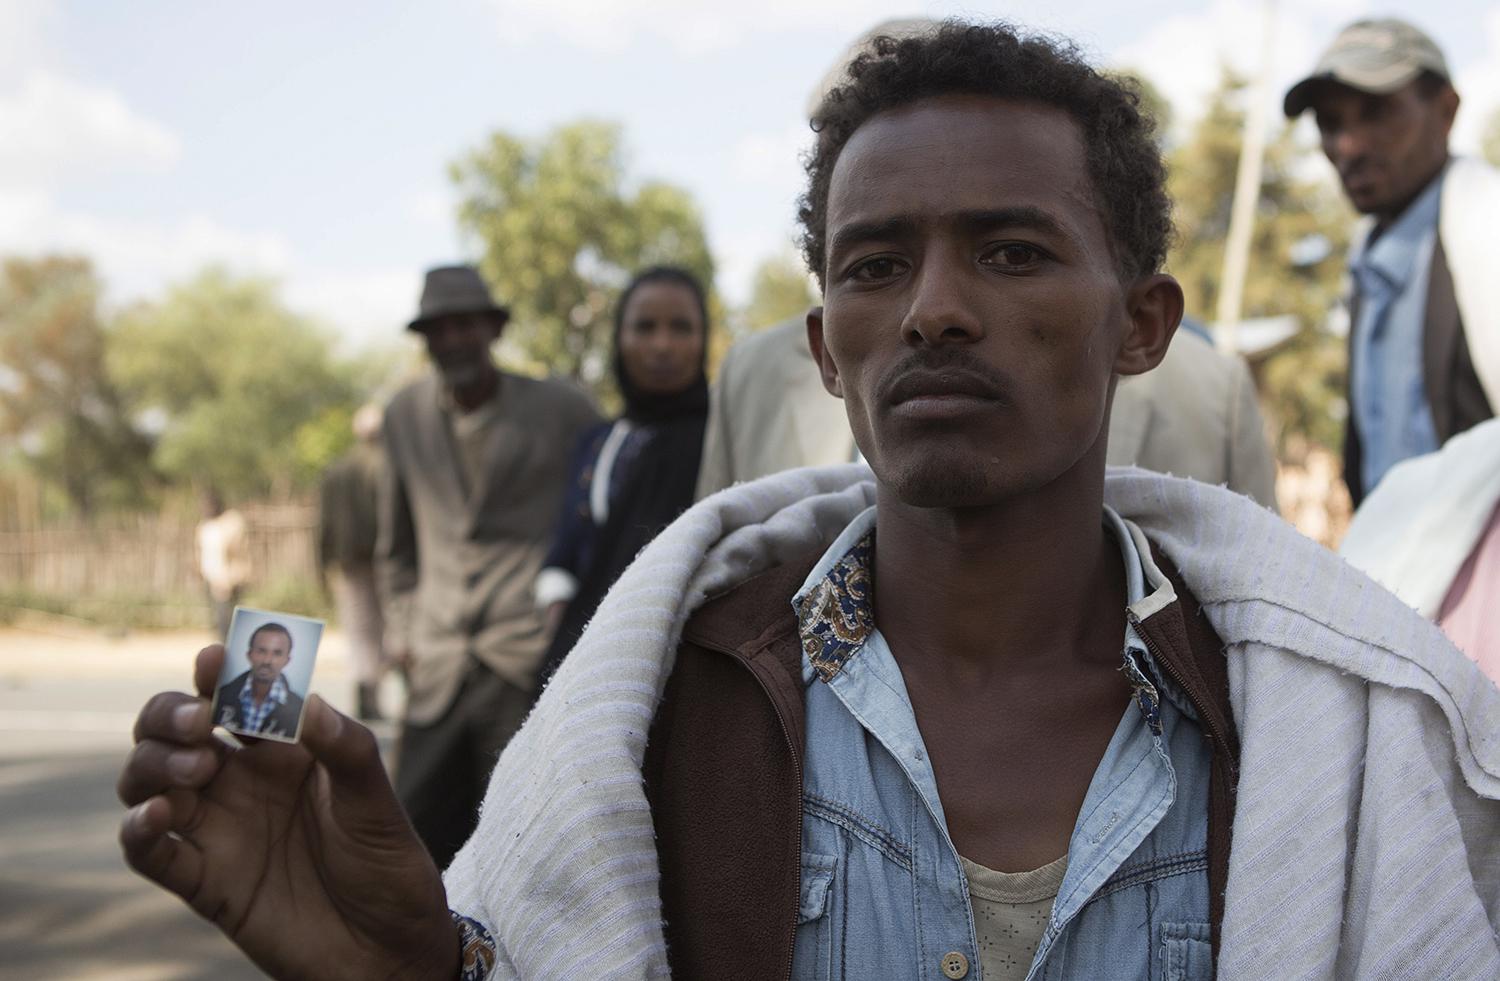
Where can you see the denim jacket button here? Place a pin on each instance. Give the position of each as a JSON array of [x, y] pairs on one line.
[[955, 965]]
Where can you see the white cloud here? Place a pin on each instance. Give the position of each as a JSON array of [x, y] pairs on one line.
[[365, 305], [136, 257], [690, 27], [23, 35], [52, 125], [772, 158]]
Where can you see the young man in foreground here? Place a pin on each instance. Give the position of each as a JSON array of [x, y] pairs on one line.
[[968, 717]]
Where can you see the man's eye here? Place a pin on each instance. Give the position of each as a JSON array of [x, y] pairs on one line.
[[874, 270], [1013, 255]]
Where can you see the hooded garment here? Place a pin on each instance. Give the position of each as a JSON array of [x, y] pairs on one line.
[[1367, 824]]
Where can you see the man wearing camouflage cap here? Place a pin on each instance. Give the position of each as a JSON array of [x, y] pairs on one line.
[[1424, 336]]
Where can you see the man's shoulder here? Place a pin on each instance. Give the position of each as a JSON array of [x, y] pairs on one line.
[[551, 393], [754, 612], [420, 390], [233, 685]]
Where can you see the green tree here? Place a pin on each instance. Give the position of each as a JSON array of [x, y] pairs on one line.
[[562, 229], [780, 289], [1296, 259], [57, 402], [1490, 142], [247, 394]]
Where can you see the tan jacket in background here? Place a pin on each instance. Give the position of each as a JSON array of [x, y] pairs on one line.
[[1194, 415], [456, 572]]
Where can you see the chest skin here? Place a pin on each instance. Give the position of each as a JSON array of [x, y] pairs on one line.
[[1014, 752]]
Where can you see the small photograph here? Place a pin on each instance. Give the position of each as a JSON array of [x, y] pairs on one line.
[[268, 664]]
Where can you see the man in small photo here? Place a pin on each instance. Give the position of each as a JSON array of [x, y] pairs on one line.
[[260, 700]]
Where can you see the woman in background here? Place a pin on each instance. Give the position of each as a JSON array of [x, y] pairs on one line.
[[631, 477]]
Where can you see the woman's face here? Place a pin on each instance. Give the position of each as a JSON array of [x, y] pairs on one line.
[[661, 338]]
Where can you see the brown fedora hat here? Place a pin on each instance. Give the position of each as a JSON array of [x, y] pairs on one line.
[[454, 289]]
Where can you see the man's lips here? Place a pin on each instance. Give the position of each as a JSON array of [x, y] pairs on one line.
[[943, 385]]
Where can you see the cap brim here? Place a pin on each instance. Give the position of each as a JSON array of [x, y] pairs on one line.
[[421, 323], [1300, 97]]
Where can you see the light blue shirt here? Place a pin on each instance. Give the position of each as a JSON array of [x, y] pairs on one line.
[[883, 892], [1389, 398]]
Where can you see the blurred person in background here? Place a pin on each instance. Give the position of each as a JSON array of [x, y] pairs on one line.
[[1430, 533], [347, 528], [1195, 415], [223, 540], [476, 463], [1424, 334], [632, 476]]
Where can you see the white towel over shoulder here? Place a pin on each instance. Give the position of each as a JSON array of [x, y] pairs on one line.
[[1367, 828]]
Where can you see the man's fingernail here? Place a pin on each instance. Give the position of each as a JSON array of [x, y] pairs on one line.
[[185, 717], [137, 815]]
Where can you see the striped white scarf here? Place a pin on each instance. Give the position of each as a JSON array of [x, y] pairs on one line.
[[1367, 829]]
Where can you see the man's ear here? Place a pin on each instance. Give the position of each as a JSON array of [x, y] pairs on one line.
[[1154, 305], [826, 367], [1448, 105]]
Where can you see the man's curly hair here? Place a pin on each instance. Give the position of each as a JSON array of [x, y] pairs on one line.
[[1123, 159]]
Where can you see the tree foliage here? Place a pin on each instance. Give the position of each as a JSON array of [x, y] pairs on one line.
[[1296, 259], [247, 394], [57, 403], [1490, 141], [780, 289], [561, 229]]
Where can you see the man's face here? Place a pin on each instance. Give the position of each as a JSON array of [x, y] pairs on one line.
[[973, 309], [1386, 148], [270, 650], [459, 345]]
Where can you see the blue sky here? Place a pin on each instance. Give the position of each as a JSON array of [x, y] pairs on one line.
[[309, 141]]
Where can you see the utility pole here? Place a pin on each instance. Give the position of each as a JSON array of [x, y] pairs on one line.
[[1246, 194]]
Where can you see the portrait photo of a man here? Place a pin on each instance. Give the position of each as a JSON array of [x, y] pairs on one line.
[[268, 663]]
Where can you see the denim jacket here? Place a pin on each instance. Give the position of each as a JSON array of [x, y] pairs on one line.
[[883, 894]]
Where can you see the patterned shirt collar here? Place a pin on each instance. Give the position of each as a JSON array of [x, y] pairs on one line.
[[836, 616], [836, 607]]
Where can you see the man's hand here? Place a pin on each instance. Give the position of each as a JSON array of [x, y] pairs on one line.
[[299, 853]]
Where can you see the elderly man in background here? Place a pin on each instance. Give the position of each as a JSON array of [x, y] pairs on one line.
[[476, 462], [347, 527], [1424, 338]]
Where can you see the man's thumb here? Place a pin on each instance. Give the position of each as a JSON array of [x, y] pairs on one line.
[[347, 750]]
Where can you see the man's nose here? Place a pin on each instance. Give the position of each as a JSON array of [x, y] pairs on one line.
[[1347, 144], [941, 311]]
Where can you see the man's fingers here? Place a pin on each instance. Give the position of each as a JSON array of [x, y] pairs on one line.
[[173, 863], [206, 670], [154, 767], [174, 717]]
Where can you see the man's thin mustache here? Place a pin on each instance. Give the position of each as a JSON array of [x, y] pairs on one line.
[[954, 360]]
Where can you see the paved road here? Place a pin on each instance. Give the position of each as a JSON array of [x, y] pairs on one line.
[[69, 908]]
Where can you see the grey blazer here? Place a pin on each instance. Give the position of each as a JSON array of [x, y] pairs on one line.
[[456, 572]]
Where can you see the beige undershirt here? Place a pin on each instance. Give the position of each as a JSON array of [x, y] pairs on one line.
[[471, 438], [1011, 910]]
